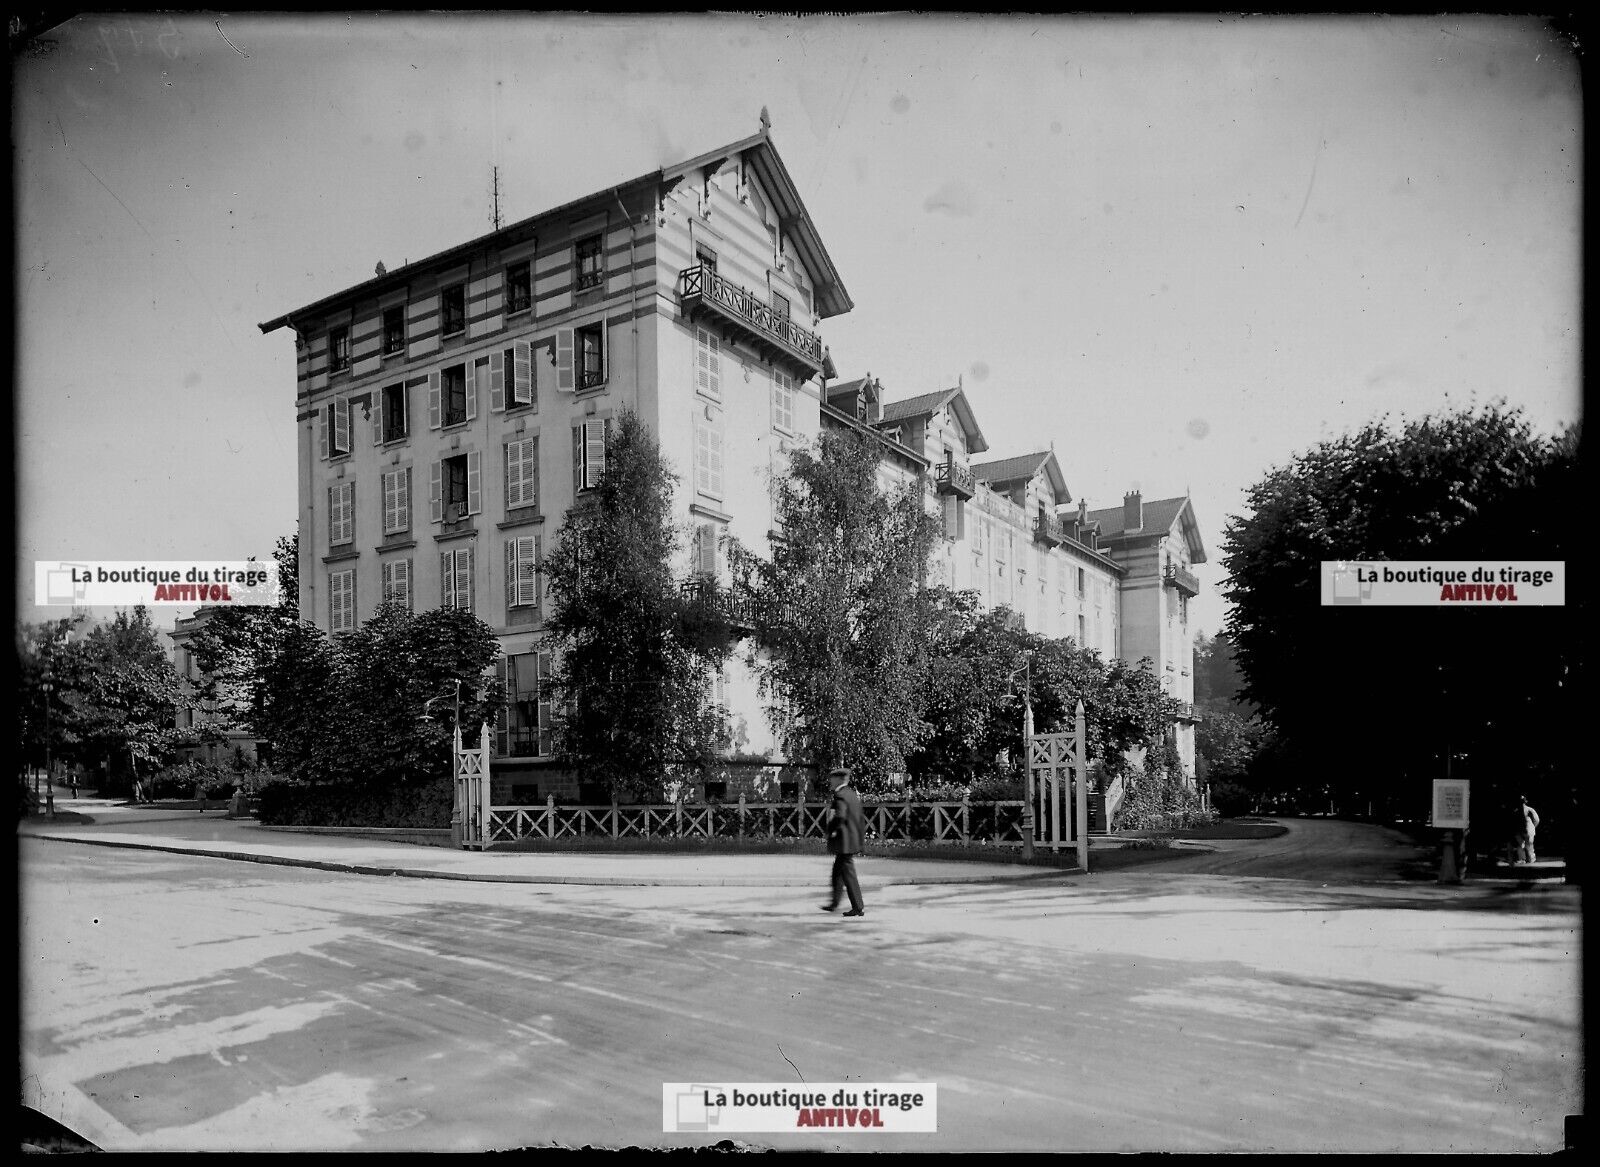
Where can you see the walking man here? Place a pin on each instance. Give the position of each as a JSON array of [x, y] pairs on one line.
[[846, 829], [1526, 825]]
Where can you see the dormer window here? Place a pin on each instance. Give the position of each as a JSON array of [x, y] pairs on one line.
[[338, 349]]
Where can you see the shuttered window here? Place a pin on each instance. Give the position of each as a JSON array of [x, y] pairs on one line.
[[397, 501], [342, 601], [455, 579], [522, 473], [589, 454], [335, 419], [708, 459], [783, 401], [397, 582], [708, 363], [341, 513], [522, 571]]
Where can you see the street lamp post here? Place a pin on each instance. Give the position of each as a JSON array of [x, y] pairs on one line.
[[48, 687]]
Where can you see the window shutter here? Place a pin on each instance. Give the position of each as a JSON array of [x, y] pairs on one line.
[[522, 374], [702, 456], [505, 673], [546, 704], [538, 570], [497, 382], [474, 482], [511, 573], [949, 516], [527, 580], [403, 502], [464, 580], [708, 360], [322, 431], [434, 404], [594, 452], [605, 352], [379, 397], [388, 582], [341, 424], [565, 382], [472, 390], [577, 458], [708, 549], [436, 493], [447, 579], [716, 461], [513, 474], [391, 522]]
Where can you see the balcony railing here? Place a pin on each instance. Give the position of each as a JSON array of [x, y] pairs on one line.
[[700, 288], [1047, 529], [737, 605], [952, 477], [1188, 712], [1184, 581]]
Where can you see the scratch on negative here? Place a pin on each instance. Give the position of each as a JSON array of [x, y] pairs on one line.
[[229, 43], [790, 1061], [1309, 185]]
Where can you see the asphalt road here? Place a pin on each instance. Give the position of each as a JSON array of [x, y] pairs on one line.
[[191, 1003]]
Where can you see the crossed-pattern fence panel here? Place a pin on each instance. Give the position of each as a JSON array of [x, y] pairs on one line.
[[939, 822]]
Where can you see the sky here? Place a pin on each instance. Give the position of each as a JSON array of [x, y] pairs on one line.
[[1178, 250]]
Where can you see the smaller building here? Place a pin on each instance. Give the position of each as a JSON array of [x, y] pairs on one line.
[[214, 742]]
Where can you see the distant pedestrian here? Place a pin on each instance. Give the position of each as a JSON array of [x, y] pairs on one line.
[[1526, 825], [846, 830]]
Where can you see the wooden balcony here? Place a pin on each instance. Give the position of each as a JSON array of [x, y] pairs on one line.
[[1187, 712], [702, 291], [952, 477], [1184, 581], [1048, 531]]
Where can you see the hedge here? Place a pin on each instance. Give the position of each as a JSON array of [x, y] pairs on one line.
[[292, 804]]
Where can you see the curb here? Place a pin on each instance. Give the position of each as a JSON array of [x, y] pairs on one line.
[[578, 880]]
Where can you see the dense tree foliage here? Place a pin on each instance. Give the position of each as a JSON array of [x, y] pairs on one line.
[[235, 648], [1372, 702], [633, 657], [107, 694], [980, 665], [844, 613]]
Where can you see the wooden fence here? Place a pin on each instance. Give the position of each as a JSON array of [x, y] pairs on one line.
[[932, 822]]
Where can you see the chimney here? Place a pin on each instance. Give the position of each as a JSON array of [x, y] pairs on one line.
[[1133, 511]]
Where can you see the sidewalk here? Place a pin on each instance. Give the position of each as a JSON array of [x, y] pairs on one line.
[[209, 833]]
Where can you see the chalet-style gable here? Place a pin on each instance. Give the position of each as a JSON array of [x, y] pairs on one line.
[[928, 404], [860, 399], [1010, 476], [760, 170], [1156, 519], [765, 185]]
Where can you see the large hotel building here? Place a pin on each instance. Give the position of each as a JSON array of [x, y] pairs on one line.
[[452, 410]]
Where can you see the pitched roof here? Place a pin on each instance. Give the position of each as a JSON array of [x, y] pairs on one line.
[[928, 403], [1022, 468], [768, 167], [1159, 516]]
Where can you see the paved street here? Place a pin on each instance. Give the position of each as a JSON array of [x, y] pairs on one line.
[[174, 1001]]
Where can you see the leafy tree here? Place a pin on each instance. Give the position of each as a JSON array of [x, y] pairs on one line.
[[234, 648], [49, 676], [1370, 701], [844, 609], [633, 657], [297, 707], [387, 672], [977, 672], [125, 692]]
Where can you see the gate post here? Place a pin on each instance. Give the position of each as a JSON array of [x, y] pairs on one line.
[[1080, 774], [485, 834], [1027, 781], [458, 802]]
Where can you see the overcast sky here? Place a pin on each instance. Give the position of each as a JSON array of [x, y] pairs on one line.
[[1180, 249]]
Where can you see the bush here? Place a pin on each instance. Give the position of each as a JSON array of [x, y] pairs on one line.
[[1157, 802], [178, 782], [995, 789], [341, 805]]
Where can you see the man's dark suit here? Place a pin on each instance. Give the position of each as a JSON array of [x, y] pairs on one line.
[[846, 829]]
